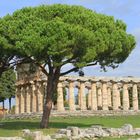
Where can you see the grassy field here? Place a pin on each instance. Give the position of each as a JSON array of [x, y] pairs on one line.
[[14, 127]]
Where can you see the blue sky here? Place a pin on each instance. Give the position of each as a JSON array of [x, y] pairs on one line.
[[127, 10]]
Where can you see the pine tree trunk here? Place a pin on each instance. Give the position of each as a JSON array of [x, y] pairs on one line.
[[10, 104], [3, 104], [1, 72], [51, 89], [2, 69]]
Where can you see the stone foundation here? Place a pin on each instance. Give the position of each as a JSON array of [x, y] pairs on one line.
[[74, 114]]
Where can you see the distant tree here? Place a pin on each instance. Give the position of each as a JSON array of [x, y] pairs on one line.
[[57, 35], [2, 92], [7, 86], [6, 54]]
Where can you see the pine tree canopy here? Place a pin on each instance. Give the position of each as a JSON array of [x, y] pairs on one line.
[[60, 34]]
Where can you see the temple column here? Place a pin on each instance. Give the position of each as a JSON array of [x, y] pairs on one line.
[[17, 101], [119, 99], [22, 103], [115, 96], [135, 97], [89, 98], [93, 96], [125, 97], [40, 97], [99, 98], [109, 97], [60, 99], [71, 96], [79, 97], [85, 102], [104, 95], [44, 90], [34, 105], [82, 95], [28, 100]]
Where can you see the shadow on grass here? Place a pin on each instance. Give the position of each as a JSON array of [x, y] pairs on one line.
[[19, 125]]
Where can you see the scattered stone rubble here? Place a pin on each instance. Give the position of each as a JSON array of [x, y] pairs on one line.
[[36, 135], [11, 138], [94, 132], [97, 131], [75, 133]]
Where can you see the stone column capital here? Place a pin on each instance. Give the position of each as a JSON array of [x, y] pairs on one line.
[[31, 82], [21, 88], [44, 83], [71, 84], [93, 81], [125, 85], [70, 80], [27, 88], [114, 82], [18, 90], [81, 80], [104, 81], [38, 84], [60, 85], [33, 87], [125, 81], [135, 82]]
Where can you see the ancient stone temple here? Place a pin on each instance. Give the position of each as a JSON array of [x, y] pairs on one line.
[[81, 93]]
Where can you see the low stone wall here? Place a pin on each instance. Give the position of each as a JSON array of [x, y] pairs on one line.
[[94, 132], [75, 113]]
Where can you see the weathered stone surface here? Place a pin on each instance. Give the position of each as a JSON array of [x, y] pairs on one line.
[[68, 133], [97, 131], [62, 131], [137, 131], [75, 133], [11, 138], [37, 135], [127, 128], [112, 131], [48, 137], [26, 132], [74, 130], [58, 136], [133, 138]]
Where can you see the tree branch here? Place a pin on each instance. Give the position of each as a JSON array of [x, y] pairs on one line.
[[43, 69], [76, 68], [69, 71], [50, 65], [67, 61], [91, 64], [41, 66]]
